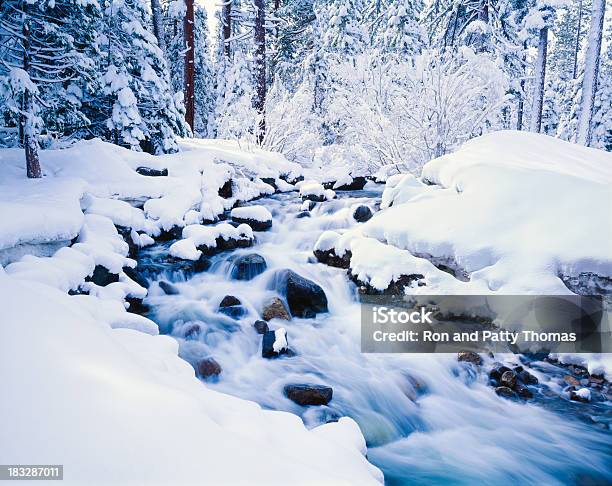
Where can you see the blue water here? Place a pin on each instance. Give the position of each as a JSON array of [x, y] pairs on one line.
[[427, 419]]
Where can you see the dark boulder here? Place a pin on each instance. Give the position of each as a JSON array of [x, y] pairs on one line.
[[504, 391], [229, 300], [583, 395], [303, 214], [357, 184], [225, 191], [469, 357], [271, 181], [329, 257], [396, 287], [148, 171], [185, 268], [578, 370], [255, 224], [209, 368], [136, 276], [362, 214], [527, 377], [136, 306], [231, 307], [267, 345], [191, 331], [304, 297], [248, 267], [222, 244], [314, 197], [102, 276], [168, 288], [291, 180], [275, 309], [306, 394], [497, 371], [174, 233], [509, 379], [261, 326], [311, 205], [523, 391]]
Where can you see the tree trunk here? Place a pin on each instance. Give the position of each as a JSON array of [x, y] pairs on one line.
[[27, 122], [158, 24], [189, 81], [591, 71], [30, 141], [577, 45], [227, 28], [538, 84], [260, 66], [521, 107]]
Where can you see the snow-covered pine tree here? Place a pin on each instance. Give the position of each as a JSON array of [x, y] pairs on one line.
[[343, 31], [175, 42], [204, 77], [559, 102], [395, 26], [145, 113], [44, 65], [294, 42], [486, 26], [236, 118]]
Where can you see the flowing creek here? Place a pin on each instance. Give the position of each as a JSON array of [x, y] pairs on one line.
[[427, 419]]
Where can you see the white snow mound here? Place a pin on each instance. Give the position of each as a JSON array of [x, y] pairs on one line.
[[513, 209]]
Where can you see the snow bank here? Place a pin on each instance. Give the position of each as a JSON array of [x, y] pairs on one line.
[[256, 213], [314, 191], [98, 389], [185, 249], [104, 402], [101, 178], [198, 236], [515, 210], [378, 265], [38, 211]]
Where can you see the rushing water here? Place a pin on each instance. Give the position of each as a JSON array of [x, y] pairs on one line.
[[427, 419]]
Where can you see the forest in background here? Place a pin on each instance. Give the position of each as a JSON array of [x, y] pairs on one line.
[[380, 84]]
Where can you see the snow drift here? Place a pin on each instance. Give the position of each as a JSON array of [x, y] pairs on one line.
[[516, 211], [96, 388]]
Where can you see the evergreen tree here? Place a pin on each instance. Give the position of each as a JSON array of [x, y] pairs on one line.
[[403, 33], [236, 118], [44, 67], [145, 112], [204, 77]]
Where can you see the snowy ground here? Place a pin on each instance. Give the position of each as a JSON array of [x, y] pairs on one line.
[[94, 387], [514, 210], [511, 212]]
